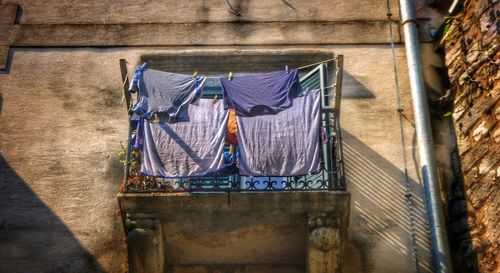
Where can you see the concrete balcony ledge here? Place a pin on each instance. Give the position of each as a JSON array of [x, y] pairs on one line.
[[235, 232]]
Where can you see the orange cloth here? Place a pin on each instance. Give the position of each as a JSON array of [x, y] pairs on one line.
[[232, 128]]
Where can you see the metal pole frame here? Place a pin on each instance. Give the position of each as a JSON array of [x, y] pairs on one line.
[[339, 70], [128, 103]]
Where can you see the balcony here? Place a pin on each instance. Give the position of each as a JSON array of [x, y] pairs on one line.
[[234, 223]]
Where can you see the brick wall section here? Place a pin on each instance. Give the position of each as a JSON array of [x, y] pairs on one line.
[[471, 45]]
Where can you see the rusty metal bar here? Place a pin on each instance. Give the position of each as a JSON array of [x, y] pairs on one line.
[[125, 83]]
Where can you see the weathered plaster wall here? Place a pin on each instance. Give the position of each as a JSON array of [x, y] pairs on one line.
[[211, 22], [171, 11], [374, 161], [62, 122], [472, 54]]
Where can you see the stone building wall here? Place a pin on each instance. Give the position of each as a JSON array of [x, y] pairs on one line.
[[472, 56]]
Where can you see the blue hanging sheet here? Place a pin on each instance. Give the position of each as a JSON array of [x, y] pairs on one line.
[[262, 93], [285, 144], [187, 149]]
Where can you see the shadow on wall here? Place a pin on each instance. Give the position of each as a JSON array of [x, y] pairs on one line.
[[354, 89], [8, 61], [380, 210], [32, 237], [463, 254]]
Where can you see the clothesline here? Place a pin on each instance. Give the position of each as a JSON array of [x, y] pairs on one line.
[[215, 77], [309, 65], [298, 68], [138, 70]]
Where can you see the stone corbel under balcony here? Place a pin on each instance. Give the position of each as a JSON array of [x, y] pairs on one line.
[[144, 242], [324, 245], [244, 232]]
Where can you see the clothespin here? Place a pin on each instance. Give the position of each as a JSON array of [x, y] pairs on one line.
[[194, 74], [286, 68], [215, 99], [230, 77]]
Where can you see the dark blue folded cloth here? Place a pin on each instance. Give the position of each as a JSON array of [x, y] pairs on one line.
[[262, 93]]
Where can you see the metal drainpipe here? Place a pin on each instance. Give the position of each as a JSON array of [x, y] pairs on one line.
[[440, 248]]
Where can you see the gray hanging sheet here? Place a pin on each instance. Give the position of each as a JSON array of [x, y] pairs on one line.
[[184, 149], [284, 144]]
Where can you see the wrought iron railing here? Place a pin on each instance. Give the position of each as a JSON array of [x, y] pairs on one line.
[[330, 178]]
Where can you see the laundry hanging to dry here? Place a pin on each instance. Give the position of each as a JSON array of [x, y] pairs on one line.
[[284, 144], [186, 148], [275, 124], [261, 93], [166, 93]]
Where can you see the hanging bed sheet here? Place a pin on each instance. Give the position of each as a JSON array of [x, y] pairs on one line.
[[261, 93], [164, 92], [284, 144], [186, 149]]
